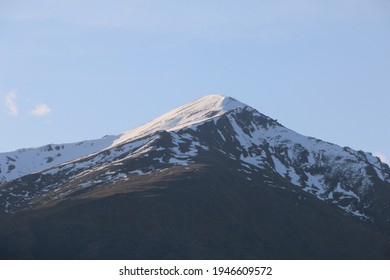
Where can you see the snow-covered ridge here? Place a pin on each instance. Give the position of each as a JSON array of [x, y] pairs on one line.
[[189, 114], [22, 162]]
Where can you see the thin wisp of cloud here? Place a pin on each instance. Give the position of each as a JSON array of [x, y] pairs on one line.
[[41, 110], [10, 104]]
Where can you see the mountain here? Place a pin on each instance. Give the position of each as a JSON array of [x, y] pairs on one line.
[[212, 179]]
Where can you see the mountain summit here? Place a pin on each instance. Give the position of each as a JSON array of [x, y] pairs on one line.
[[189, 114], [213, 178]]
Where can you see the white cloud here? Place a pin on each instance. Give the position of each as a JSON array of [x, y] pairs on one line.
[[41, 110], [10, 103], [382, 157]]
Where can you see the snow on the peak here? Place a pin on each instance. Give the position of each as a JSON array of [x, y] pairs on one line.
[[200, 110]]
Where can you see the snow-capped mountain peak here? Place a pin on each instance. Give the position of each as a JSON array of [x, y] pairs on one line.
[[200, 110], [216, 126]]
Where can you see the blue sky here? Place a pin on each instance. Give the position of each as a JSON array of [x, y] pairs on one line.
[[73, 70]]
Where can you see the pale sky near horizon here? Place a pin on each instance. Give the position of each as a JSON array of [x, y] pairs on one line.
[[74, 70]]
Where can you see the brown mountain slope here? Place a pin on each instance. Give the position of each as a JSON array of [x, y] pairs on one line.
[[198, 212]]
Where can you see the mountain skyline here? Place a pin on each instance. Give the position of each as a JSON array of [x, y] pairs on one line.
[[380, 155], [214, 103], [380, 152]]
